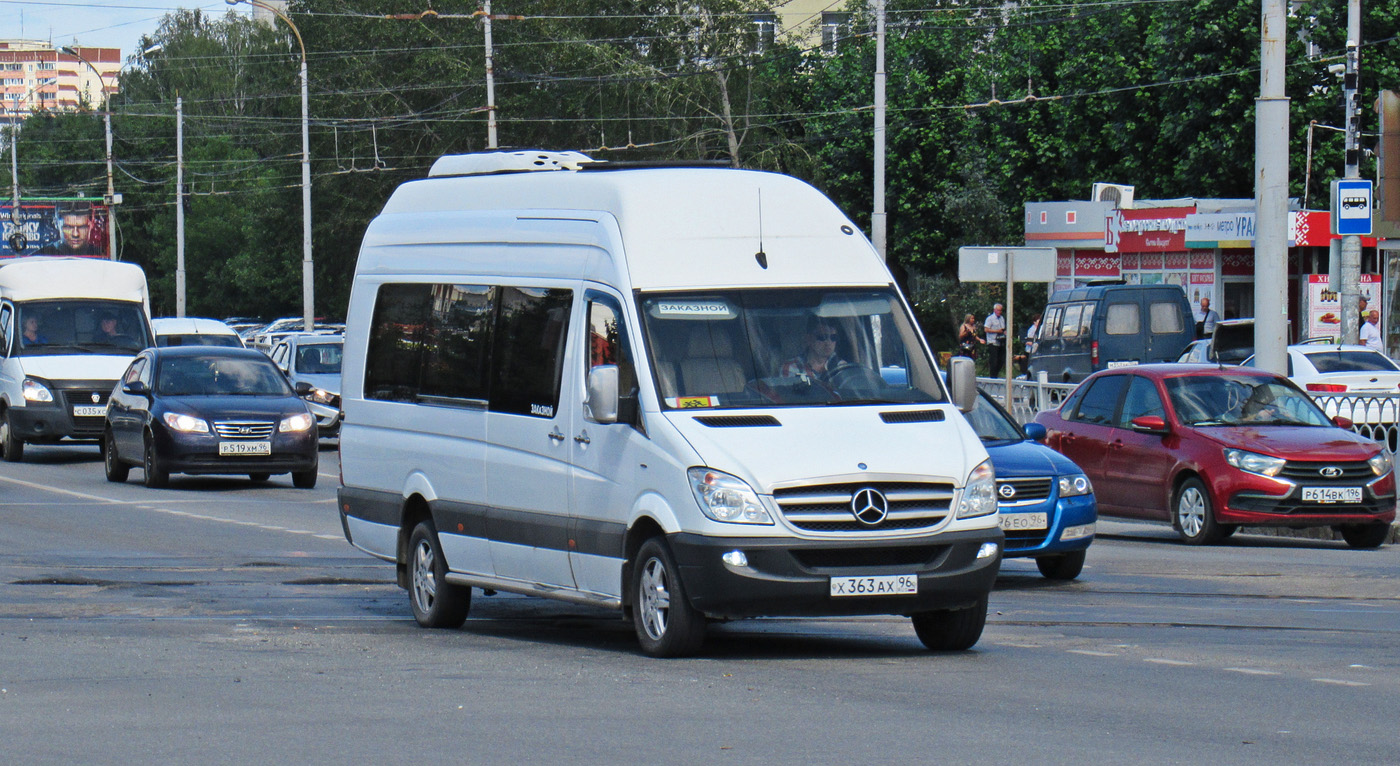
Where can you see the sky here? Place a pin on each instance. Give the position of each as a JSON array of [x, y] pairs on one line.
[[96, 23]]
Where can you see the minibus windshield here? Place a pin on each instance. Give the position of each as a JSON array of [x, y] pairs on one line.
[[82, 326], [785, 348]]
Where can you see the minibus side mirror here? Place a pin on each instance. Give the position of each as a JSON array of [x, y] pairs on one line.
[[304, 389], [602, 394], [962, 383]]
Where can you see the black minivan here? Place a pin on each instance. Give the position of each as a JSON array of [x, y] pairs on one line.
[[1087, 329]]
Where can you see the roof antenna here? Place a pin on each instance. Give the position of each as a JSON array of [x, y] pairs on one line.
[[760, 256]]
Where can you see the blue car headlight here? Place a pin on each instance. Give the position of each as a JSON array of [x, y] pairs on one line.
[[1074, 485]]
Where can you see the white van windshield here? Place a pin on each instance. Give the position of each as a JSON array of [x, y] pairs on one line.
[[58, 327], [785, 348]]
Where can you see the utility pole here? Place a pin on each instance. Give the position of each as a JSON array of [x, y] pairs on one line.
[[490, 80], [877, 216], [1349, 290], [1271, 194], [179, 206]]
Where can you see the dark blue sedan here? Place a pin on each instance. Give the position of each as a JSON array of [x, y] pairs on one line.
[[1045, 501], [208, 410]]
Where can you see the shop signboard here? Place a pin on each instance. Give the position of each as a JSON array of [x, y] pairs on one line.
[[1325, 306]]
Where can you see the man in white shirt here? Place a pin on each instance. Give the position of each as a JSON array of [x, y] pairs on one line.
[[1209, 318], [994, 328], [1371, 332]]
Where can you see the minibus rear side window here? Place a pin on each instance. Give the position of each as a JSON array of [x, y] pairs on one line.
[[430, 342], [1166, 317], [1123, 319], [1069, 328], [529, 354]]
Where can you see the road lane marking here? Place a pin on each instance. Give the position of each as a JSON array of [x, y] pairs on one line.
[[1252, 671], [1339, 682], [69, 492], [1164, 661], [1088, 653]]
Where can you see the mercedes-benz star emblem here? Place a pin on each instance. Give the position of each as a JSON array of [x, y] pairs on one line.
[[1007, 491], [1330, 471], [869, 506]]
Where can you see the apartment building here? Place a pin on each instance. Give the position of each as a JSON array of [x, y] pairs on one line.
[[37, 75]]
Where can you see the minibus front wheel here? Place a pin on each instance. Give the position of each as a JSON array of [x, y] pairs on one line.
[[437, 603], [952, 630], [666, 624]]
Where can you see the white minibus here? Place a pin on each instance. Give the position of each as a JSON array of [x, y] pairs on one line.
[[687, 394], [68, 329]]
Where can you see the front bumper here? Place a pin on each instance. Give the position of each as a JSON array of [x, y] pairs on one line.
[[199, 454], [327, 419], [787, 577], [1063, 514], [52, 421]]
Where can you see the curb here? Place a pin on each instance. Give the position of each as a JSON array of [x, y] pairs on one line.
[[1312, 533]]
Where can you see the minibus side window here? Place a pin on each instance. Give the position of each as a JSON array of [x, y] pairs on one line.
[[430, 342], [607, 344], [1070, 325], [528, 357], [5, 315]]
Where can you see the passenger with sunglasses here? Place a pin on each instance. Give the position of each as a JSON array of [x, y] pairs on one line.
[[820, 358]]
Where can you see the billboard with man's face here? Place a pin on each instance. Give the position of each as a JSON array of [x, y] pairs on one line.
[[54, 227]]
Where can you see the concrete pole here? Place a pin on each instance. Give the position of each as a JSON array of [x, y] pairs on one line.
[[490, 81], [877, 216], [1350, 288], [308, 282], [1006, 347], [14, 166], [111, 192], [1271, 195], [179, 206]]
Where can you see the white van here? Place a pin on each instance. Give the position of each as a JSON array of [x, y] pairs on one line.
[[68, 329], [597, 383]]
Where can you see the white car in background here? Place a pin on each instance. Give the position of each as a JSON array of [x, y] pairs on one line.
[[314, 358], [194, 331], [1354, 382]]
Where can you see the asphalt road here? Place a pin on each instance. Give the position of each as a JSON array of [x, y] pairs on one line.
[[221, 621]]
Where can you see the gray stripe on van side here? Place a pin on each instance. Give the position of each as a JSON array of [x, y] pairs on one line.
[[537, 530]]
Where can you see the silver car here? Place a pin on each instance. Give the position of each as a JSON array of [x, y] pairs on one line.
[[314, 358]]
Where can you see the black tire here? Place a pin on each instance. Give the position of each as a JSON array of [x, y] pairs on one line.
[[116, 470], [1365, 535], [1063, 566], [1193, 515], [259, 476], [10, 442], [436, 602], [304, 479], [952, 630], [156, 475], [665, 622]]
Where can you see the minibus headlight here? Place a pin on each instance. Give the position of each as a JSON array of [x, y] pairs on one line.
[[187, 424], [1382, 463], [321, 396], [34, 391], [300, 422], [727, 498], [1074, 485], [979, 496], [1251, 462]]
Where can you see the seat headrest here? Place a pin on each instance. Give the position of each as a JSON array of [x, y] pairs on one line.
[[706, 342]]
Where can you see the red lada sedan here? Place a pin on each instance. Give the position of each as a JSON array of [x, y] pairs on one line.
[[1210, 448]]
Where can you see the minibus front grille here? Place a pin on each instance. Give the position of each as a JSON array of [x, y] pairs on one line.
[[831, 507]]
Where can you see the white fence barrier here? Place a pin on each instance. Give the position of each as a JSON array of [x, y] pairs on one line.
[[1375, 416]]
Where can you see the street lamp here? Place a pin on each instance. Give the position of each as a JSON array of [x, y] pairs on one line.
[[307, 283], [111, 198]]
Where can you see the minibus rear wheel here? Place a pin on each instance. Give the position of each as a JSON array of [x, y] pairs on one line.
[[436, 602], [952, 630], [666, 624]]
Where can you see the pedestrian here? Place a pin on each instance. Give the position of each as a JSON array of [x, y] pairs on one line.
[[1209, 318], [1371, 331], [968, 339], [994, 327], [1023, 359]]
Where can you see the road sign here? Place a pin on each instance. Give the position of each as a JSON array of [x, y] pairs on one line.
[[1351, 208], [988, 264]]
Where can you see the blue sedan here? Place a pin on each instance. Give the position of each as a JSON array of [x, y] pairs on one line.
[[1046, 502]]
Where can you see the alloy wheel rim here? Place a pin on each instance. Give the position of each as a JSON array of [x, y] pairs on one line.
[[1191, 511], [656, 599], [424, 578]]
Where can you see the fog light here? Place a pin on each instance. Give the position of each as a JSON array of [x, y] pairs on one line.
[[987, 550], [735, 559], [1075, 533]]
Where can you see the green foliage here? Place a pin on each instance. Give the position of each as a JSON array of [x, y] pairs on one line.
[[989, 107]]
